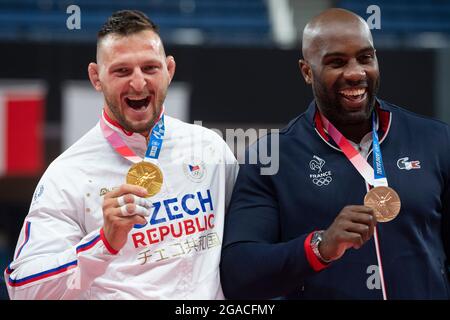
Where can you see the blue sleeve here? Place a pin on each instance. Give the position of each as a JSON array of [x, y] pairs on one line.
[[255, 263], [446, 201]]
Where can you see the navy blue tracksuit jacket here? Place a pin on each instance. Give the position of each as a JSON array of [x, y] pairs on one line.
[[270, 216]]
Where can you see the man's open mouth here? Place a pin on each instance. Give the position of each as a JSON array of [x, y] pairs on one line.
[[137, 103], [354, 94]]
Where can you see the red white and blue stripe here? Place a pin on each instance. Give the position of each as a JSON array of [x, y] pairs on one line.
[[88, 245], [40, 275]]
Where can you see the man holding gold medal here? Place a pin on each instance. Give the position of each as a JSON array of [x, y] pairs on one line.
[[343, 218], [135, 208]]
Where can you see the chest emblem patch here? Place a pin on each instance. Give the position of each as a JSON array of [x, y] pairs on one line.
[[318, 176], [405, 164], [195, 170]]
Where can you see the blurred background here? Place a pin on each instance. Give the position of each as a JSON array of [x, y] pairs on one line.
[[237, 67]]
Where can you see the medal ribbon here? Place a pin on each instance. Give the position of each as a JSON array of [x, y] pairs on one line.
[[379, 174], [373, 177], [155, 141]]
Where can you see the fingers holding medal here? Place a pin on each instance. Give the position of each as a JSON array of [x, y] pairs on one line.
[[123, 208], [127, 206], [127, 200], [131, 204]]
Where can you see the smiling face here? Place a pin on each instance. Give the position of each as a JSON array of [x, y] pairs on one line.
[[341, 65], [134, 74]]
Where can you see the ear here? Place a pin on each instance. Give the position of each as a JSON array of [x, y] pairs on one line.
[[305, 68], [94, 76], [171, 65]]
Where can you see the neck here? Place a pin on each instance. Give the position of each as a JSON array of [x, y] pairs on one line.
[[355, 132], [146, 135]]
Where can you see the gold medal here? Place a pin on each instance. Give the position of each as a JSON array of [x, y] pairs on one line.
[[385, 201], [147, 175]]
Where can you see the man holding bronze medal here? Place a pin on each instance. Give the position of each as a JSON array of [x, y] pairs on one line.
[[135, 208], [342, 219]]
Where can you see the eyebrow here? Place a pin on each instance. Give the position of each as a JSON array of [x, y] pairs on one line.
[[341, 54], [125, 64]]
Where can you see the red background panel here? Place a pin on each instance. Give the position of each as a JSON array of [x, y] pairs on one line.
[[24, 135]]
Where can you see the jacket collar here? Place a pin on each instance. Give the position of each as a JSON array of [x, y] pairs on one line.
[[385, 118]]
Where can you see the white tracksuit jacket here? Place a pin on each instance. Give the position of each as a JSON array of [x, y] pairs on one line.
[[62, 253]]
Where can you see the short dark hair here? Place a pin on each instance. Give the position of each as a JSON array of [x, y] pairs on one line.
[[126, 22]]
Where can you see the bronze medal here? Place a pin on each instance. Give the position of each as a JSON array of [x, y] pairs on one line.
[[385, 201], [147, 175]]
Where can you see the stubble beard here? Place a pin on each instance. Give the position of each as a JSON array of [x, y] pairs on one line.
[[127, 125], [335, 112]]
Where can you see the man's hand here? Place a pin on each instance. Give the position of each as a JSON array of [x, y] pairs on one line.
[[122, 209], [353, 227]]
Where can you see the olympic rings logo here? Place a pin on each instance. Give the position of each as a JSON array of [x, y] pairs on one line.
[[322, 181]]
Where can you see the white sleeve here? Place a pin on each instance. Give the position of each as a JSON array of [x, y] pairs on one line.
[[54, 257]]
